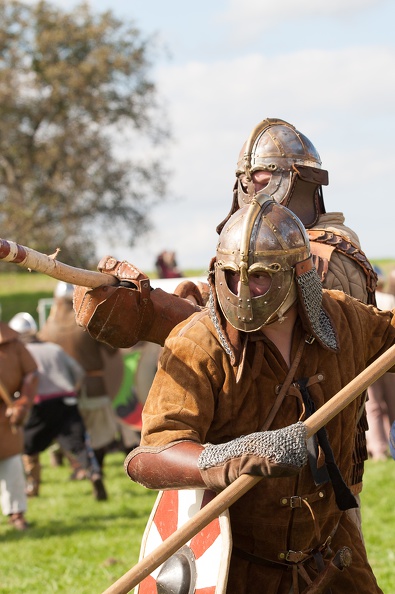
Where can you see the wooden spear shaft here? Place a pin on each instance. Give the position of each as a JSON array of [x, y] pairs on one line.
[[5, 395], [9, 403], [32, 260], [245, 482]]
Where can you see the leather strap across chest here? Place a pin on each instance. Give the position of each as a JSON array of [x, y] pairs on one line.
[[285, 386], [329, 471]]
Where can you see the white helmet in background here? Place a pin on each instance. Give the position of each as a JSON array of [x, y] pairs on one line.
[[64, 290], [24, 324]]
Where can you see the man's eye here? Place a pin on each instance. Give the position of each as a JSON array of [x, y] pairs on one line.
[[262, 278]]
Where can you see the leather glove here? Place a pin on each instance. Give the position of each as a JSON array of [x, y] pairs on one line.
[[270, 454], [124, 314]]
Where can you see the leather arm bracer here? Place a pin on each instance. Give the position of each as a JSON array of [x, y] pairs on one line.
[[123, 315], [173, 466]]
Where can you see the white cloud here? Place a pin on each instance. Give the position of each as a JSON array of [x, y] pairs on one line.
[[317, 79], [273, 25], [214, 106], [271, 13]]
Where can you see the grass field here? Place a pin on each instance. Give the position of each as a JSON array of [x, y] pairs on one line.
[[75, 544], [79, 546]]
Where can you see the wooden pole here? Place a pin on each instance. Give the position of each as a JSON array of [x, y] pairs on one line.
[[27, 258], [9, 403], [245, 482], [347, 394]]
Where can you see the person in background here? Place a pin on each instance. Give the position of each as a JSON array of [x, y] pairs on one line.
[[166, 265], [18, 385], [55, 414], [140, 364], [94, 401], [380, 406], [391, 282]]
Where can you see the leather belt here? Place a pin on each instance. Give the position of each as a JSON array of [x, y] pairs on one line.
[[260, 560], [288, 558], [295, 501]]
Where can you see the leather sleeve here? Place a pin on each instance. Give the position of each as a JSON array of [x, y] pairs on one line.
[[173, 466]]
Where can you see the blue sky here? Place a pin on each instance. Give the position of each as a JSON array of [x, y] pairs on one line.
[[326, 67]]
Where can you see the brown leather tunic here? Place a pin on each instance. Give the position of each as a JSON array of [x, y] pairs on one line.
[[195, 396], [15, 363]]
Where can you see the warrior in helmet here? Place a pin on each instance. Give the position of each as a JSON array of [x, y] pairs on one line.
[[283, 161], [233, 384], [280, 160]]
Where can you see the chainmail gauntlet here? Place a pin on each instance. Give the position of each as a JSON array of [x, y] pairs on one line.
[[282, 452]]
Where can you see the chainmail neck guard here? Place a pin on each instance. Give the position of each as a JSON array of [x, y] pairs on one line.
[[310, 302], [217, 324]]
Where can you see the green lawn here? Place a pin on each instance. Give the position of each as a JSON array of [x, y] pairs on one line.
[[378, 513], [21, 291], [75, 544], [78, 546]]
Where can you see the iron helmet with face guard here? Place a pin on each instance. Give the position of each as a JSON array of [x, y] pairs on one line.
[[266, 238], [294, 167], [263, 237]]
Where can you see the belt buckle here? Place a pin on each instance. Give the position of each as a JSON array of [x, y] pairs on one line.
[[294, 556], [295, 501]]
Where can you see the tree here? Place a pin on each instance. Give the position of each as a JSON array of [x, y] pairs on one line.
[[74, 89]]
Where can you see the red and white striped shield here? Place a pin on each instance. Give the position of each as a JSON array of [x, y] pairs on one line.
[[201, 565]]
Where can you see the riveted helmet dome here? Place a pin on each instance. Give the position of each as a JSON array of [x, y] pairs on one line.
[[276, 145], [263, 237], [64, 290], [296, 177], [24, 324]]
